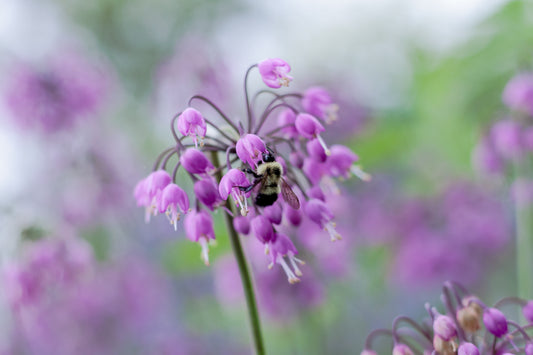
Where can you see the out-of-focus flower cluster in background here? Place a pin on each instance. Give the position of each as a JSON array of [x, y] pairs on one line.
[[435, 97]]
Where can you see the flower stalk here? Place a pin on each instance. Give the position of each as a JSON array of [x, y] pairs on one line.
[[244, 271]]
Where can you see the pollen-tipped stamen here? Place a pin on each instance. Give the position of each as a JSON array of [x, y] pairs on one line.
[[330, 228], [290, 275], [358, 171], [323, 144]]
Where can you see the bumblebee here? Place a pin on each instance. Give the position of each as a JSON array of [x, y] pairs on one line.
[[269, 176]]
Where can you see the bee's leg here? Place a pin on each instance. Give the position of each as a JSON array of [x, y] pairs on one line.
[[250, 171], [249, 188]]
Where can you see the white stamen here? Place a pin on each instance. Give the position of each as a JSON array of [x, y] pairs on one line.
[[323, 144], [328, 184], [205, 250], [297, 270], [330, 228], [290, 275], [357, 171], [267, 249]]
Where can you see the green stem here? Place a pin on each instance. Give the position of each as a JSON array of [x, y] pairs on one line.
[[246, 279]]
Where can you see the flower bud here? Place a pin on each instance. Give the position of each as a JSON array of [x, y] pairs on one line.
[[444, 327], [495, 321], [242, 224], [206, 190], [401, 349], [262, 229], [444, 347], [468, 349], [195, 162]]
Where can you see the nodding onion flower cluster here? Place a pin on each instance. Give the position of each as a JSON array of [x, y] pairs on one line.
[[305, 165], [468, 327]]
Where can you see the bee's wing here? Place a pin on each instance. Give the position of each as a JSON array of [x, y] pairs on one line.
[[289, 196]]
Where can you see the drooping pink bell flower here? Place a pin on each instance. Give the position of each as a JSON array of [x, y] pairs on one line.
[[319, 212], [495, 322], [192, 123], [263, 230], [229, 185], [282, 246], [206, 190], [485, 157], [250, 149], [287, 118], [316, 101], [297, 159], [242, 224], [274, 72], [293, 216], [199, 228], [195, 162], [341, 163], [172, 198], [309, 127], [316, 151], [148, 192]]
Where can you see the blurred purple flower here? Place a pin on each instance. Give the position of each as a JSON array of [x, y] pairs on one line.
[[518, 93], [56, 97]]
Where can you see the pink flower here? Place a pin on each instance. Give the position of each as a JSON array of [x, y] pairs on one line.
[[206, 190], [242, 224], [316, 151], [273, 213], [274, 72], [468, 349], [148, 192], [195, 162], [262, 229], [319, 212], [229, 185], [309, 127], [341, 163], [199, 228], [282, 246], [250, 149], [192, 123], [173, 197], [317, 102], [507, 138]]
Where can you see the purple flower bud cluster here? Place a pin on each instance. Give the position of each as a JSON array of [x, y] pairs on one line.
[[276, 170], [468, 326], [56, 97]]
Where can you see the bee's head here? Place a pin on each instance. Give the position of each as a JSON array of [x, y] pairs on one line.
[[268, 157]]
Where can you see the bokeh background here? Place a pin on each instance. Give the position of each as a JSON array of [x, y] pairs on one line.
[[87, 93]]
